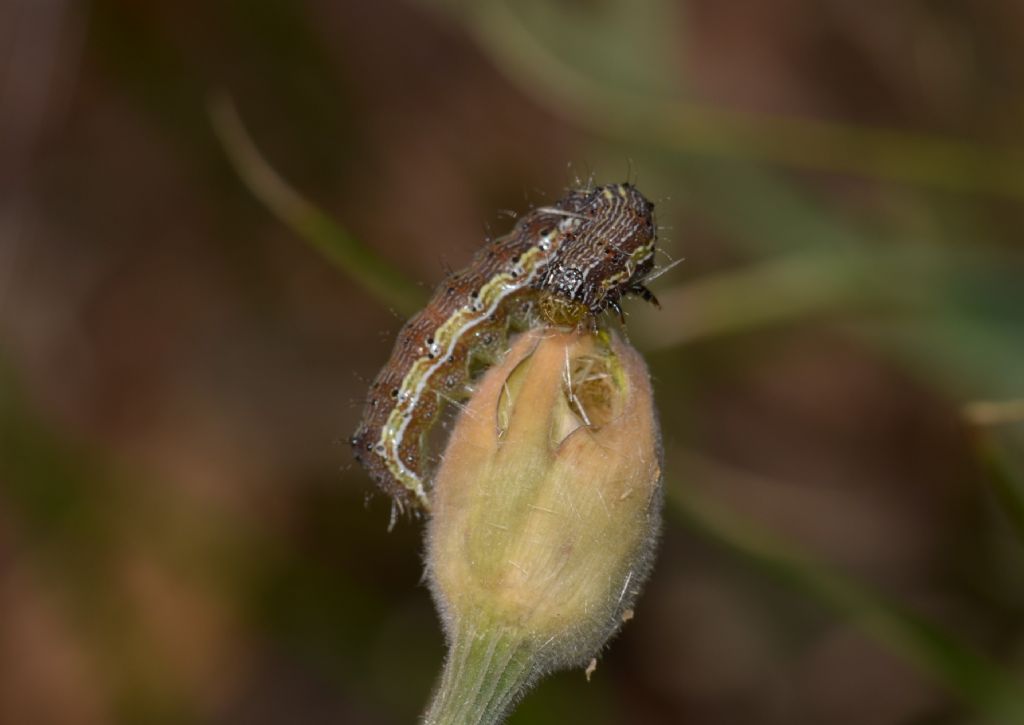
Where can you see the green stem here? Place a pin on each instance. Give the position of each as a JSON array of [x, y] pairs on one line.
[[487, 670], [316, 227]]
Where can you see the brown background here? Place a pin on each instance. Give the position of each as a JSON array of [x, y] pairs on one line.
[[182, 535]]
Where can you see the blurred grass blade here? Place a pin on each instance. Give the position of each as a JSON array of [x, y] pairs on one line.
[[999, 442], [685, 126], [995, 412], [1002, 455], [975, 679], [309, 222], [779, 291]]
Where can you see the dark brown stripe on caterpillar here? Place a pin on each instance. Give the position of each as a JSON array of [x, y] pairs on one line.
[[561, 265]]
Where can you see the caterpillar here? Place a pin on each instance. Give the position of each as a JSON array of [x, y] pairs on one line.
[[561, 265]]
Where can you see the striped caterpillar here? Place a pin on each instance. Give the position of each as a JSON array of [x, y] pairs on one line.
[[561, 265]]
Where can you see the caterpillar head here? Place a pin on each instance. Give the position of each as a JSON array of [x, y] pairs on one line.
[[608, 251]]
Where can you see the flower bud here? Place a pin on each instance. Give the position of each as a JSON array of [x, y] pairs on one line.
[[547, 503]]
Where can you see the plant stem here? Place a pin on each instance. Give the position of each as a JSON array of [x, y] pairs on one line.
[[315, 226], [487, 670]]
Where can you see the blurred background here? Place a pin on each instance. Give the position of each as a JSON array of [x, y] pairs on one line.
[[185, 342]]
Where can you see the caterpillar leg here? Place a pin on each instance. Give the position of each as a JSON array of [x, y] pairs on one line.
[[614, 305], [646, 294]]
